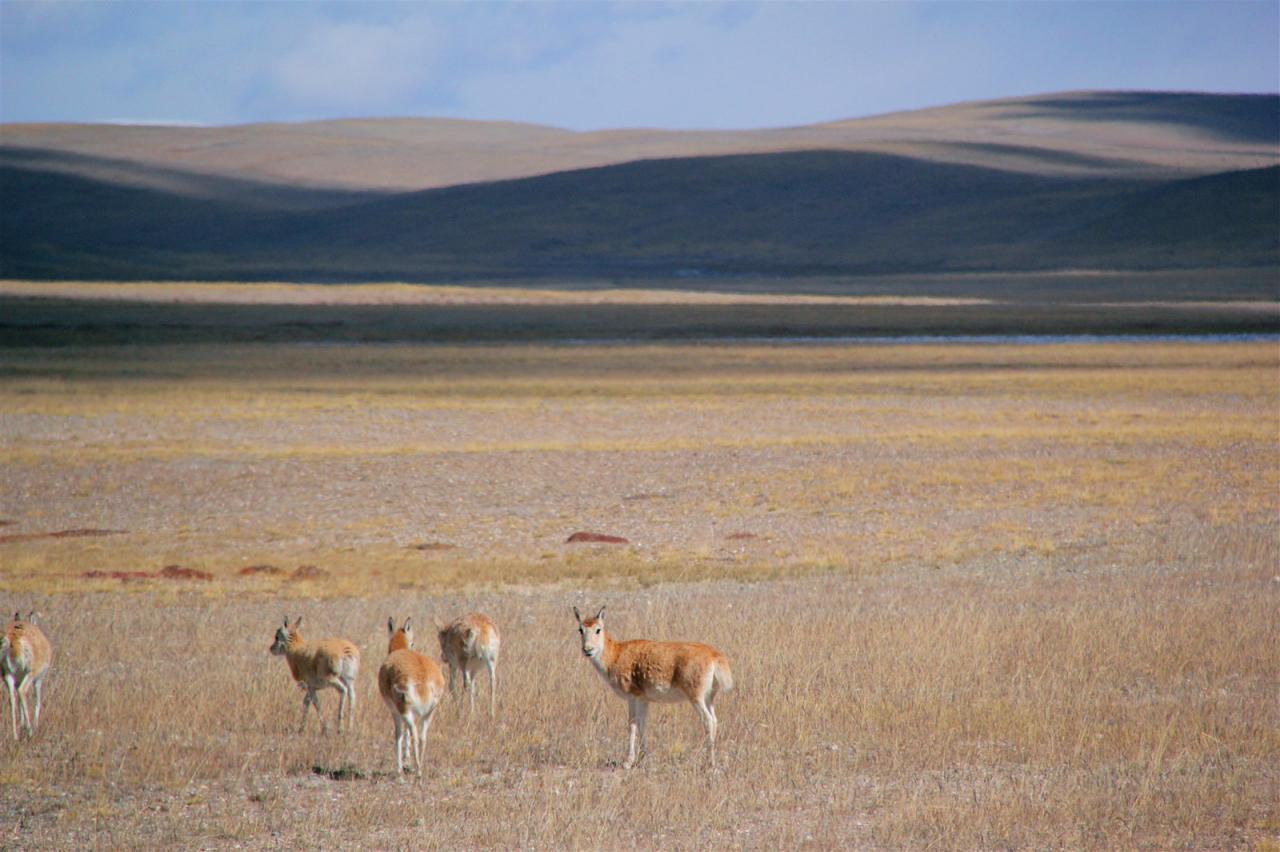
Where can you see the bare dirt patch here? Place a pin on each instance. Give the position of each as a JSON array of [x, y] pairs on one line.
[[595, 538], [80, 533], [250, 570]]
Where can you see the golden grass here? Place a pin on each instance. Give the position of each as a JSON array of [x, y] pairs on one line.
[[270, 293], [997, 596], [905, 710]]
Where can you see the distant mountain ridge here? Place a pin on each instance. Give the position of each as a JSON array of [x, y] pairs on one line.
[[1090, 180], [1124, 134]]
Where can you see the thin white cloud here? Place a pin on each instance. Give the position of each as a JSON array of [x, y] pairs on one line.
[[358, 67]]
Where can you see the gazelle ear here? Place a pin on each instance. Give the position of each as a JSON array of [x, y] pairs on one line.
[[297, 622], [600, 614], [17, 616], [31, 616], [286, 622], [391, 624], [406, 627], [577, 615]]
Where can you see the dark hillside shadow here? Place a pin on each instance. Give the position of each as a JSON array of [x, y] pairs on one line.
[[1233, 118], [790, 214], [186, 184]]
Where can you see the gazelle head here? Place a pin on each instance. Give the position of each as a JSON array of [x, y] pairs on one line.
[[591, 632], [4, 637], [401, 637], [281, 644]]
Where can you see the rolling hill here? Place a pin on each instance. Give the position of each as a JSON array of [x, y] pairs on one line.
[[1090, 180]]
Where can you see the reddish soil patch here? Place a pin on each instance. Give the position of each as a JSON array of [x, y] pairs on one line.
[[4, 539], [177, 572], [741, 536], [593, 537], [123, 576], [169, 572], [250, 570], [308, 572]]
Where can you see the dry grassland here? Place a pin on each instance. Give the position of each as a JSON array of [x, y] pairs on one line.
[[275, 293], [975, 597]]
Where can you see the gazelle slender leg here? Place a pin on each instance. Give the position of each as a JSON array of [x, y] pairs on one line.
[[709, 723], [25, 708], [315, 702], [415, 743], [422, 740], [411, 722], [39, 699], [13, 703], [399, 744], [633, 724], [493, 687], [471, 689], [642, 719], [346, 701], [351, 703]]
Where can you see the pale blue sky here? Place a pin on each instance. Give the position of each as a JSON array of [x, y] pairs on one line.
[[589, 65]]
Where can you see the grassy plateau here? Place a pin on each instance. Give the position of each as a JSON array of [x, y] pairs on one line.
[[975, 596]]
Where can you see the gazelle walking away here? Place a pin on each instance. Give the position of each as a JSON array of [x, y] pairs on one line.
[[468, 644], [642, 671], [412, 685], [25, 655], [315, 665]]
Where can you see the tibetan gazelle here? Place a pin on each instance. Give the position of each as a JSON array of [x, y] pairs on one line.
[[412, 685], [315, 665], [24, 661], [467, 645], [642, 671]]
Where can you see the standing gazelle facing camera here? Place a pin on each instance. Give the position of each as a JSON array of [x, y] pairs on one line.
[[412, 686], [315, 665], [642, 671], [24, 661], [467, 645]]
